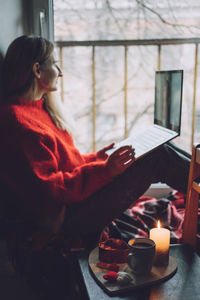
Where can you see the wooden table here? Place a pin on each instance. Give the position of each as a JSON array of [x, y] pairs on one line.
[[184, 285]]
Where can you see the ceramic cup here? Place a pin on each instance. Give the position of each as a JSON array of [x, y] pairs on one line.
[[141, 255]]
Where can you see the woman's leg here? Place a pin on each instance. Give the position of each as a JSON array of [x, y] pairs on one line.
[[162, 165]]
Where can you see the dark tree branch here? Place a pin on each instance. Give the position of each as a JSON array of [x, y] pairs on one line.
[[114, 18], [142, 4]]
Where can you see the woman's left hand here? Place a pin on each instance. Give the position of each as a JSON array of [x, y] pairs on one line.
[[101, 154]]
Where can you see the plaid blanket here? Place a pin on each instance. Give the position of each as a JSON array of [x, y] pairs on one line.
[[144, 214]]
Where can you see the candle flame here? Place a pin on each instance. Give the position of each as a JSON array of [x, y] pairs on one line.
[[158, 224]]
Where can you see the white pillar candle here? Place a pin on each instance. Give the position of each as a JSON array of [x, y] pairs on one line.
[[161, 237]]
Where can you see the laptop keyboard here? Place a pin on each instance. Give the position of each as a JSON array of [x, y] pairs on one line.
[[147, 140]]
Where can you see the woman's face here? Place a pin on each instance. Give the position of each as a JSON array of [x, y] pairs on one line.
[[50, 72]]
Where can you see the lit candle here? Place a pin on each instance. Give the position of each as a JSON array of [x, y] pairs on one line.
[[161, 237]]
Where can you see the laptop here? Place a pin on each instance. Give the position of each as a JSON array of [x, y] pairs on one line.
[[167, 115]]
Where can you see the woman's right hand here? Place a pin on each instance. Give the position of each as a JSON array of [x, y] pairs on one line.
[[120, 160]]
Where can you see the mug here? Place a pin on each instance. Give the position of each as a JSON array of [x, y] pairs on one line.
[[141, 255]]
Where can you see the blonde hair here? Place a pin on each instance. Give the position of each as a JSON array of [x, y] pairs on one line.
[[17, 72], [58, 112], [18, 76]]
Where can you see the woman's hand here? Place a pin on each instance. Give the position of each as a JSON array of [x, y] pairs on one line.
[[101, 154], [120, 160]]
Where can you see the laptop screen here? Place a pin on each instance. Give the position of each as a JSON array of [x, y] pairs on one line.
[[168, 99]]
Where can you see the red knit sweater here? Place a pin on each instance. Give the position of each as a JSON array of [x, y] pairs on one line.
[[40, 163]]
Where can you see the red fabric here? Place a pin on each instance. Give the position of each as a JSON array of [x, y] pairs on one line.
[[162, 210], [111, 276], [40, 163], [144, 214]]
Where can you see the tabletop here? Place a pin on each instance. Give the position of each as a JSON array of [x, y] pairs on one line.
[[184, 285]]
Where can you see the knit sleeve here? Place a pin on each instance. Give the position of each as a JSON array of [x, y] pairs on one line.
[[70, 186], [90, 157]]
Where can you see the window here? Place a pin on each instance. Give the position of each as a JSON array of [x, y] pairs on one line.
[[40, 18], [108, 82]]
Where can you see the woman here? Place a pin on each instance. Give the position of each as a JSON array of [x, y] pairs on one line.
[[54, 190]]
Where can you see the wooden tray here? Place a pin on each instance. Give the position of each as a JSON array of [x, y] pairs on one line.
[[157, 275]]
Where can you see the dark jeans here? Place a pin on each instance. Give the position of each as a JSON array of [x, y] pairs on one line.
[[52, 274], [166, 164]]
